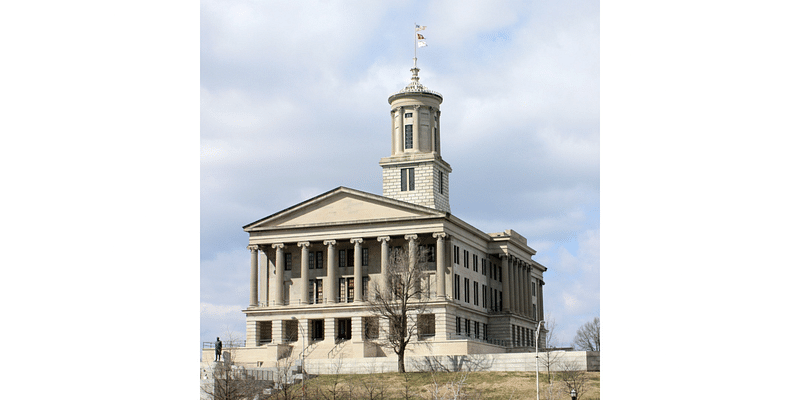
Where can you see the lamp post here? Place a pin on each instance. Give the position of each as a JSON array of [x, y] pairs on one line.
[[574, 394], [302, 357], [538, 326]]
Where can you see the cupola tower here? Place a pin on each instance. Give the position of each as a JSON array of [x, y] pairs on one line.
[[415, 172]]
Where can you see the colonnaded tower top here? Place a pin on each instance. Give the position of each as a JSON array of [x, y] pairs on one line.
[[415, 172]]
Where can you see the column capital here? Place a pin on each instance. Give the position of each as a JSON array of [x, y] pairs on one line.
[[411, 237], [384, 239], [329, 242], [440, 235], [277, 246], [253, 247], [356, 240], [303, 244]]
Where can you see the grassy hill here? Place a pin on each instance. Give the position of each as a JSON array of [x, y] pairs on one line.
[[472, 385]]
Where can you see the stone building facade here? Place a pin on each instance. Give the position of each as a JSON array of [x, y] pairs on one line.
[[312, 264]]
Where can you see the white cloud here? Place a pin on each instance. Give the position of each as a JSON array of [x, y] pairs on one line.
[[294, 103]]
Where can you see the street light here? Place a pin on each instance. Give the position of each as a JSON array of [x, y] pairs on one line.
[[574, 394], [538, 326], [302, 356]]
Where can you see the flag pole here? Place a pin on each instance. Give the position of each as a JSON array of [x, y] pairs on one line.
[[415, 45]]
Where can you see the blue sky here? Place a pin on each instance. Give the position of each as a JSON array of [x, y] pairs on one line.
[[294, 103]]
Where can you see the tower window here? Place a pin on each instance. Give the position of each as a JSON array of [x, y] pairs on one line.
[[406, 179], [441, 182], [407, 115], [409, 137]]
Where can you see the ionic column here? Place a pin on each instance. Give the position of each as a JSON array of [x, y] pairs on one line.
[[331, 284], [526, 291], [397, 131], [506, 286], [303, 271], [357, 269], [278, 285], [521, 270], [517, 286], [253, 275], [384, 262], [440, 267], [412, 259], [530, 291], [512, 299]]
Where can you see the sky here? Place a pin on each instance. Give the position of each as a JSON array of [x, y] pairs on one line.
[[294, 103]]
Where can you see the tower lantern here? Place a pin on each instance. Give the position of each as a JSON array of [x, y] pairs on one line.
[[415, 171]]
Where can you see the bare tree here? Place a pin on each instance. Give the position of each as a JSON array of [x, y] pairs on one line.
[[548, 357], [573, 376], [588, 336], [402, 297]]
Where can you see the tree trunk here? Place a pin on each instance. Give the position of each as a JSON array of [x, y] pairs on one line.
[[401, 361]]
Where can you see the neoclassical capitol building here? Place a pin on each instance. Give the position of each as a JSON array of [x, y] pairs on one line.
[[311, 264]]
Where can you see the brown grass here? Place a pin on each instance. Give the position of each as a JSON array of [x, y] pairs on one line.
[[478, 385]]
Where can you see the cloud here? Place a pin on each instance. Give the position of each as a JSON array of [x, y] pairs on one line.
[[294, 103]]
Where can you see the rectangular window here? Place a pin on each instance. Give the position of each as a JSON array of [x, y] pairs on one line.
[[466, 327], [483, 295], [432, 253], [317, 329], [311, 260], [441, 178], [364, 287], [483, 266], [351, 289], [455, 255], [475, 292], [534, 313], [485, 332], [409, 136], [351, 257], [287, 262], [457, 287], [466, 259], [466, 290], [342, 258], [427, 325], [346, 290], [319, 260], [365, 257], [500, 273], [500, 293], [318, 288], [407, 115], [458, 325], [406, 179], [475, 262], [311, 291], [370, 327], [476, 325], [533, 287], [436, 140]]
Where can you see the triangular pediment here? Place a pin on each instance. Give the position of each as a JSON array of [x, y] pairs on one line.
[[343, 206]]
